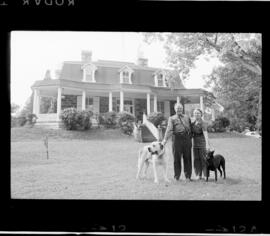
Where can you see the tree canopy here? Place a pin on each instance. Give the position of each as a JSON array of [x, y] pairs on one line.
[[238, 81]]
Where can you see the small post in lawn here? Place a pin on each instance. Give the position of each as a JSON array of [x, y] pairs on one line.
[[46, 145]]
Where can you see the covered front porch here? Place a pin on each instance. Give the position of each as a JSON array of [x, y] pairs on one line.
[[49, 101]]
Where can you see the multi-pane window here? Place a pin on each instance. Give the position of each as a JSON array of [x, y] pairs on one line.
[[88, 74], [160, 80], [160, 107], [89, 103], [125, 77], [166, 82]]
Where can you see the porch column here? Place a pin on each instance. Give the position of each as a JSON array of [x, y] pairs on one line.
[[83, 100], [201, 103], [36, 102], [148, 103], [178, 99], [59, 97], [110, 102], [155, 103], [121, 101]]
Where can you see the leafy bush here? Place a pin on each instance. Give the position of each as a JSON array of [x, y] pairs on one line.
[[15, 121], [225, 122], [108, 119], [18, 121], [68, 116], [238, 125], [84, 120], [31, 118], [157, 118], [125, 121], [23, 119], [76, 120], [219, 125], [101, 120]]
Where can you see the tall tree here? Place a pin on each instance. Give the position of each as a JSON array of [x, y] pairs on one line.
[[241, 50], [28, 107], [237, 89]]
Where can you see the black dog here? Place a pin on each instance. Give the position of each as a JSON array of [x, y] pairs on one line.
[[214, 162]]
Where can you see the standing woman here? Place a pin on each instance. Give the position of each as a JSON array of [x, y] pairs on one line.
[[200, 143]]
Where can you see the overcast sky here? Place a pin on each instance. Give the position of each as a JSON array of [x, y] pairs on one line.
[[34, 52]]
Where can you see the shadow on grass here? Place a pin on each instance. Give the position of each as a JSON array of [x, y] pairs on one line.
[[227, 181], [226, 135], [231, 181]]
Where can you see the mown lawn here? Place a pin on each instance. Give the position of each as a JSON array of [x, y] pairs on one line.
[[102, 164]]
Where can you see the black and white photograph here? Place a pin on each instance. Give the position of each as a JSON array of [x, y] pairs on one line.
[[100, 115]]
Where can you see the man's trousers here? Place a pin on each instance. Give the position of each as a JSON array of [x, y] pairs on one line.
[[181, 146]]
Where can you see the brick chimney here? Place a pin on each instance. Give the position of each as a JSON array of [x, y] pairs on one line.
[[47, 75], [142, 61], [86, 56]]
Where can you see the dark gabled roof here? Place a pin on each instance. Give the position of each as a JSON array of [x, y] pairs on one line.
[[108, 72]]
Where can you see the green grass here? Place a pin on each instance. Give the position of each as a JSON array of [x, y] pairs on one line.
[[102, 164]]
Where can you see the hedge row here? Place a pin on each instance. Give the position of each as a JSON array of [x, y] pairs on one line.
[[81, 120]]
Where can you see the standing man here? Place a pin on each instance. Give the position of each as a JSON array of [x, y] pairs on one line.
[[179, 127]]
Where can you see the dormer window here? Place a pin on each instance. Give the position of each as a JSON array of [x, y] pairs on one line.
[[160, 80], [125, 75], [89, 72]]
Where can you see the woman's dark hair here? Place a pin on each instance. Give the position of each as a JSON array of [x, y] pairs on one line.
[[197, 109]]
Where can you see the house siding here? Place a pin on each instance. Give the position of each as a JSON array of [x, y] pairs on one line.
[[79, 103], [96, 102], [107, 77], [114, 104]]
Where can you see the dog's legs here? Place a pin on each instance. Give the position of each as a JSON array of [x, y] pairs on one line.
[[165, 171], [155, 168], [140, 166], [223, 167], [220, 171], [146, 168], [207, 175], [215, 174]]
